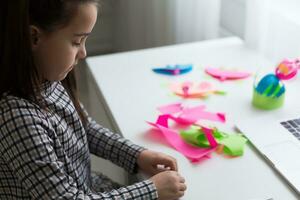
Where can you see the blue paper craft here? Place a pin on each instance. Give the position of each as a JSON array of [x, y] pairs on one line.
[[270, 85], [174, 69], [267, 84]]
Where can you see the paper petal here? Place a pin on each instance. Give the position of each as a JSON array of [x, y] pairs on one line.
[[191, 152], [226, 74]]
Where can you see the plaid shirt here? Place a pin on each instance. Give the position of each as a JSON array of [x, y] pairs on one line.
[[46, 154]]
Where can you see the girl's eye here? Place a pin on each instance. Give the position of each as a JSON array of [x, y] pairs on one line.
[[77, 44]]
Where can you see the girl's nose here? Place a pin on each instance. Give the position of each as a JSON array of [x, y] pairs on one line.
[[82, 52]]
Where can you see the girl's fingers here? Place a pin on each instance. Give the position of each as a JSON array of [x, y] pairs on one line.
[[161, 168], [169, 162], [175, 164], [172, 163]]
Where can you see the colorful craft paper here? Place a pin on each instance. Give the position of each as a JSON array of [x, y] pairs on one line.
[[193, 117], [287, 69], [269, 93], [265, 102], [209, 136], [196, 135], [268, 84], [174, 69], [193, 90], [189, 116], [223, 75], [233, 144], [173, 138], [171, 108]]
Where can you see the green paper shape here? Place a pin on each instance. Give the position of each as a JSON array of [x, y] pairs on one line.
[[221, 92], [191, 135], [264, 102], [218, 134], [234, 144], [277, 89], [196, 136], [267, 91]]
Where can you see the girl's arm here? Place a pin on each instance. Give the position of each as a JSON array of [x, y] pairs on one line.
[[112, 146], [27, 146]]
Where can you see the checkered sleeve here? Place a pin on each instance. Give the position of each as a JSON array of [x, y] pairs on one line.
[[26, 144], [112, 146]]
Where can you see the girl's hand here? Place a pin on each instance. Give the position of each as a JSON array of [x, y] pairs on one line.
[[152, 162], [169, 185]]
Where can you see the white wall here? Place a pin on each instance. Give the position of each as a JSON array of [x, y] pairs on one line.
[[273, 28], [232, 18], [150, 23], [135, 24], [100, 41], [141, 24]]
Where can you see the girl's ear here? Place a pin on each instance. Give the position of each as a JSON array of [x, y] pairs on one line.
[[35, 35]]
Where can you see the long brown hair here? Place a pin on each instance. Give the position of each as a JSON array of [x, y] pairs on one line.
[[18, 73]]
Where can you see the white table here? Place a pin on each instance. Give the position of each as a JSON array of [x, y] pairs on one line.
[[131, 92]]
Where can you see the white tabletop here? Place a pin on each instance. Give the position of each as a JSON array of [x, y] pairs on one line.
[[132, 92]]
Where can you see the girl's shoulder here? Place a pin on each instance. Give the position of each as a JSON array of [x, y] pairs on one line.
[[16, 107], [22, 123]]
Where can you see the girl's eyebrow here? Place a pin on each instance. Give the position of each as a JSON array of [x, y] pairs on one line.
[[81, 34]]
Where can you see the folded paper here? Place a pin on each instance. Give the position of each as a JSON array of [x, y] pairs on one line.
[[174, 69], [190, 89], [287, 69], [223, 75], [269, 93], [172, 137], [190, 115], [187, 116], [233, 144]]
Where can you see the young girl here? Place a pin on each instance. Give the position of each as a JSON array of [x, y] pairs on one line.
[[46, 137]]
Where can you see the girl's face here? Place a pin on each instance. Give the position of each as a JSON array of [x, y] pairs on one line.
[[55, 54]]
